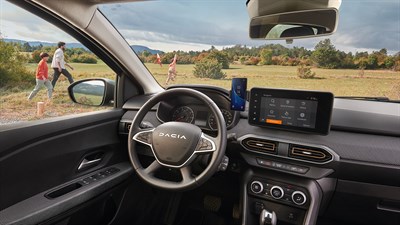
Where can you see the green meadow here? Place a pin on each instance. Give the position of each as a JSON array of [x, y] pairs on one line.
[[342, 82]]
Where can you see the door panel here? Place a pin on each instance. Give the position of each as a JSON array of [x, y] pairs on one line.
[[54, 204], [38, 156]]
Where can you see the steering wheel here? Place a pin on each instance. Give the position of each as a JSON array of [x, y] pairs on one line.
[[176, 144]]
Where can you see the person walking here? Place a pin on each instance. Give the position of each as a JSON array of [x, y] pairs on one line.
[[42, 75], [58, 64], [171, 71]]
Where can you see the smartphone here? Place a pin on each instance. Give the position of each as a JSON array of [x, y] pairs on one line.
[[238, 94]]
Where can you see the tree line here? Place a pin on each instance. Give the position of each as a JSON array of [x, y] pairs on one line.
[[324, 55], [75, 55], [13, 57]]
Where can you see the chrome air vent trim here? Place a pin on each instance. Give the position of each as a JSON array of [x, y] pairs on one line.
[[308, 153], [261, 145], [335, 157]]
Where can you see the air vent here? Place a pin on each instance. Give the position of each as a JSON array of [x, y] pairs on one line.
[[308, 153], [261, 145]]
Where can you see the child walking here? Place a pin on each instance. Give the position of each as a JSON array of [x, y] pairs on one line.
[[42, 74], [171, 71]]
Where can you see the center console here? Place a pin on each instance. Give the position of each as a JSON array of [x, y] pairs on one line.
[[282, 186], [293, 200]]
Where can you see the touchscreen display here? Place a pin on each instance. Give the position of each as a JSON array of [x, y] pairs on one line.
[[287, 111], [294, 110]]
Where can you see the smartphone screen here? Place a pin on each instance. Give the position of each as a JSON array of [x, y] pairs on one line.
[[238, 94]]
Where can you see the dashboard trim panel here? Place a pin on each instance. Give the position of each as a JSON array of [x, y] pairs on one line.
[[335, 157]]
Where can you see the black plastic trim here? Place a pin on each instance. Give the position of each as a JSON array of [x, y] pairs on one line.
[[38, 208], [312, 173], [366, 117], [369, 190]]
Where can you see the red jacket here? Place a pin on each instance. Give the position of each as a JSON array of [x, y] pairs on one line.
[[42, 71]]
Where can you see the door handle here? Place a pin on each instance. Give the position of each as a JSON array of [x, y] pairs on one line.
[[86, 163]]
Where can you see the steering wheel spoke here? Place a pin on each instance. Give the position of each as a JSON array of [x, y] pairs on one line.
[[144, 136], [206, 143], [186, 173], [153, 167]]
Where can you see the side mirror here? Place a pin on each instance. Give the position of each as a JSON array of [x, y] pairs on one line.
[[93, 92]]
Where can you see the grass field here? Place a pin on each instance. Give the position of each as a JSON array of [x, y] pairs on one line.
[[15, 106], [339, 81]]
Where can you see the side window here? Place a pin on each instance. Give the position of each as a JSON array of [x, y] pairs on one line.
[[38, 61]]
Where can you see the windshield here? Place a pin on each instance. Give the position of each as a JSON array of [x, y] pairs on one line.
[[207, 42]]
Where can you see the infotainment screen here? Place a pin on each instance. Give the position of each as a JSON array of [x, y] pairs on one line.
[[304, 111]]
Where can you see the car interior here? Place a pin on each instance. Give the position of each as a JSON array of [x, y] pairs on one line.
[[186, 155]]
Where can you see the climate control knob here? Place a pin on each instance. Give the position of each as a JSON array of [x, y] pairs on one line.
[[277, 192], [256, 187], [299, 198]]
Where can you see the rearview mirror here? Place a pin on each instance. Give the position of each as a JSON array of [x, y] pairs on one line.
[[291, 25], [93, 92], [292, 19]]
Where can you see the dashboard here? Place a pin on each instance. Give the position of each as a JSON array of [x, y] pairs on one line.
[[189, 110], [358, 157]]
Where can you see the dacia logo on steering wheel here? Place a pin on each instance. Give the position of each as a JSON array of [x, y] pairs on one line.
[[177, 136]]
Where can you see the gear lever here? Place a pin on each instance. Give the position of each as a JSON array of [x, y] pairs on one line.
[[267, 218]]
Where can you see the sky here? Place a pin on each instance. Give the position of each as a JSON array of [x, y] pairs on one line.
[[364, 25]]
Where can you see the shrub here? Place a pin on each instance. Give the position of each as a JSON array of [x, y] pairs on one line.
[[35, 57], [396, 66], [252, 61], [84, 58], [208, 69], [12, 67], [304, 72], [266, 56], [242, 59], [221, 57]]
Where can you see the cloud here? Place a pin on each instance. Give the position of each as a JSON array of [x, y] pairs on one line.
[[17, 23], [369, 25], [362, 24], [366, 24], [192, 22]]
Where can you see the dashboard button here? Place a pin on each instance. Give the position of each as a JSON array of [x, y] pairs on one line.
[[256, 187], [299, 198], [277, 192], [302, 170]]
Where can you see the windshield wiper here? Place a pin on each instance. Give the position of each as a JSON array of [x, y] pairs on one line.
[[378, 99]]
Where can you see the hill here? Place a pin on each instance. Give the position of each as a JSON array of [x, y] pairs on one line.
[[141, 48], [137, 48], [36, 43]]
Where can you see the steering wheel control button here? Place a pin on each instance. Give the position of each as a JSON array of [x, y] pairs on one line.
[[277, 192], [144, 137], [256, 187], [299, 198], [204, 145]]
